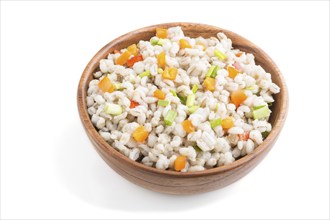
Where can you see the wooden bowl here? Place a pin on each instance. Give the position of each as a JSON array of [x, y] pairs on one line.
[[176, 182]]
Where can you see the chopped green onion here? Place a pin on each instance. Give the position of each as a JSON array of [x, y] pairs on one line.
[[169, 117], [220, 55], [210, 71], [183, 99], [154, 41], [250, 88], [118, 86], [113, 109], [215, 72], [262, 112], [265, 134], [173, 92], [270, 104], [257, 107], [145, 73], [194, 88], [216, 107], [160, 42], [163, 103], [190, 100], [197, 149], [160, 70], [216, 122], [192, 109]]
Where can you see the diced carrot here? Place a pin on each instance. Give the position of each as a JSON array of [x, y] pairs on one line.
[[244, 137], [122, 59], [106, 85], [170, 73], [209, 83], [161, 33], [184, 44], [134, 59], [232, 72], [159, 94], [188, 126], [133, 49], [161, 60], [239, 54], [140, 134], [201, 44], [180, 163], [134, 104], [237, 97], [227, 123]]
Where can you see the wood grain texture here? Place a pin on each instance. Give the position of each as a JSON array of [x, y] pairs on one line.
[[170, 181]]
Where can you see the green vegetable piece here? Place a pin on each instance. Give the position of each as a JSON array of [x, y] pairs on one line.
[[160, 70], [249, 88], [262, 112], [190, 100], [194, 88], [216, 122], [160, 42], [173, 92], [192, 109], [118, 86], [265, 134], [183, 99], [154, 40], [210, 71], [113, 109], [220, 55], [258, 107], [197, 149], [216, 107], [169, 117], [145, 73], [163, 103], [215, 72]]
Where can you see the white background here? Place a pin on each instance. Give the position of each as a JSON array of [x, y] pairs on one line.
[[49, 168]]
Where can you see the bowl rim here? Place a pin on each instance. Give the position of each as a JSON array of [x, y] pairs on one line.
[[107, 148]]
